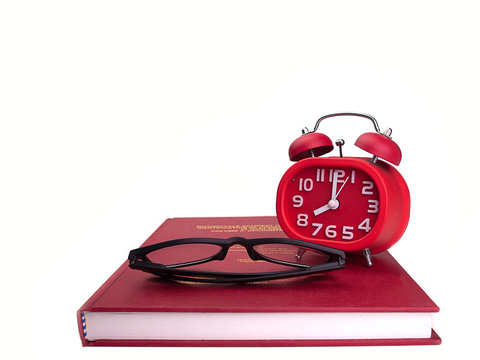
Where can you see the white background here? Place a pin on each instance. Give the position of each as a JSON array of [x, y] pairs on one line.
[[118, 114]]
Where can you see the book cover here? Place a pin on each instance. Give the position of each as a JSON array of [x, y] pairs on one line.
[[133, 308]]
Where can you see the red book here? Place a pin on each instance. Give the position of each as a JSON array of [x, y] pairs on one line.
[[381, 305]]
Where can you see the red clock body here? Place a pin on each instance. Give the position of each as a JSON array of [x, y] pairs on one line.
[[347, 203]]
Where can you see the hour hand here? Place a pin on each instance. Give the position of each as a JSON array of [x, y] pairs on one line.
[[321, 209]]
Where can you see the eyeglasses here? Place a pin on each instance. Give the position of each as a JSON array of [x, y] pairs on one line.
[[235, 259]]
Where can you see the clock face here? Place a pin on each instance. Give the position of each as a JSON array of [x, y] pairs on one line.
[[331, 203]]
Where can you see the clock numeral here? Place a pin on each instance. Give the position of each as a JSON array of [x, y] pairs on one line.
[[297, 201], [320, 175], [340, 176], [365, 225], [347, 233], [302, 219], [305, 184], [372, 206], [366, 190], [330, 231], [318, 227]]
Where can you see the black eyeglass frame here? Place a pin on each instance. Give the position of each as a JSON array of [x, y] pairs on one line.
[[138, 259]]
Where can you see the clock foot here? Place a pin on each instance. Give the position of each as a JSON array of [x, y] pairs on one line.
[[367, 255]]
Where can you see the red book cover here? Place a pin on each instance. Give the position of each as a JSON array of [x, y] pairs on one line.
[[343, 296]]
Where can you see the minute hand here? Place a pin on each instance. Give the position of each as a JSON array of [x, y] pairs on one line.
[[334, 185]]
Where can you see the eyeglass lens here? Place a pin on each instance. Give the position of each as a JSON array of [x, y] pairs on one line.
[[237, 259]]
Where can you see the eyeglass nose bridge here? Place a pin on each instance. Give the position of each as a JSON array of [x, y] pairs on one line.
[[237, 240], [244, 242]]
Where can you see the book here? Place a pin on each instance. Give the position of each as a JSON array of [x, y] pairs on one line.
[[357, 305]]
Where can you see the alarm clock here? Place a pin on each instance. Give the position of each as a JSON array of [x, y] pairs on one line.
[[356, 204]]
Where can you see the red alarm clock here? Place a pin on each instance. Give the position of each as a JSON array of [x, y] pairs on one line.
[[359, 205]]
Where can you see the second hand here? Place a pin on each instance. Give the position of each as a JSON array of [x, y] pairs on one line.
[[342, 187]]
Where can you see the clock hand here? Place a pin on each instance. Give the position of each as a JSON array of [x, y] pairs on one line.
[[333, 203], [321, 209], [334, 185], [341, 187]]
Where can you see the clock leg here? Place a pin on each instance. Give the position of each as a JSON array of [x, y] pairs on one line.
[[367, 255]]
